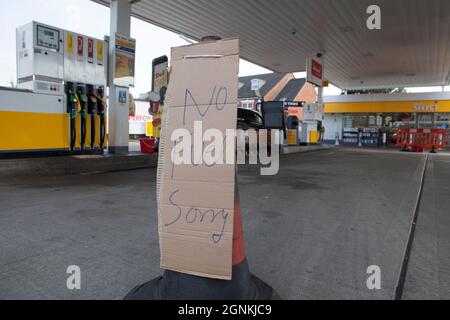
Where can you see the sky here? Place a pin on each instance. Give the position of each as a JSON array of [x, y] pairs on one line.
[[91, 19]]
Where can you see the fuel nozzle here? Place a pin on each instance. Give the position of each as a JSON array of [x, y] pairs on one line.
[[101, 106], [72, 108], [83, 101], [100, 92], [72, 105], [100, 99], [91, 101]]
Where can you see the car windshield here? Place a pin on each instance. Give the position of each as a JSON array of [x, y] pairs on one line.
[[249, 116]]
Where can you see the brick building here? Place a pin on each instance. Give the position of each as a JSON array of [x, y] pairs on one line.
[[276, 87]]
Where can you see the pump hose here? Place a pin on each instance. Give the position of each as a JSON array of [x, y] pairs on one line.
[[102, 131], [73, 108], [82, 112], [83, 130], [73, 129], [93, 131], [102, 102], [73, 133]]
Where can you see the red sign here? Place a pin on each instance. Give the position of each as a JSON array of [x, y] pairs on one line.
[[315, 72], [91, 48], [80, 45], [317, 69]]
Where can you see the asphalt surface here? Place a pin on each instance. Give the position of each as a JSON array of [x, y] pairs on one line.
[[311, 231], [429, 265]]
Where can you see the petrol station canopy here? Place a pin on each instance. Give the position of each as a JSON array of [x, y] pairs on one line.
[[412, 49]]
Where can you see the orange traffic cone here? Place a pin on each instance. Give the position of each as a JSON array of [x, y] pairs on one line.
[[179, 286], [238, 233]]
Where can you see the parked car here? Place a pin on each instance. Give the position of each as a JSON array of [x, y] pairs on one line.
[[250, 119]]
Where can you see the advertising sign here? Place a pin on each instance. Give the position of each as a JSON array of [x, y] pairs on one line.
[[124, 61], [295, 112], [100, 53], [160, 80], [315, 71], [80, 46], [141, 121], [157, 122], [90, 50], [160, 77], [70, 43]]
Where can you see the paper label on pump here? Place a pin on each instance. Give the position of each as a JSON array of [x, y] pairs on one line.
[[69, 43], [80, 46], [90, 50], [100, 53]]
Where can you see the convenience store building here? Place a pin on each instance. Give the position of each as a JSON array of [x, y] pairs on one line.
[[346, 114]]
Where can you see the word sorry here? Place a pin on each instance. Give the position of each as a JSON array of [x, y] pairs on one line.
[[196, 216]]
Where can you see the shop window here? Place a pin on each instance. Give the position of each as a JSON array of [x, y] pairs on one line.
[[443, 120], [247, 104]]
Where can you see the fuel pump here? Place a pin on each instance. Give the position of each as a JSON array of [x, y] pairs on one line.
[[53, 68], [101, 107], [72, 110], [82, 98], [92, 111], [321, 130]]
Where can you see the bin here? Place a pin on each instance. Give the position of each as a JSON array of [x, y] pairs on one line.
[[148, 145]]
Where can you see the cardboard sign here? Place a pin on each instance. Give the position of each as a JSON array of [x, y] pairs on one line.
[[196, 202]]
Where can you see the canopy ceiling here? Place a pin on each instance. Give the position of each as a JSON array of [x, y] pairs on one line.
[[412, 49]]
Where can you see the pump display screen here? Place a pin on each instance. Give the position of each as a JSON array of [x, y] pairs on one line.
[[47, 37]]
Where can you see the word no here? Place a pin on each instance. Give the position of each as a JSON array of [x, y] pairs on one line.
[[219, 99]]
